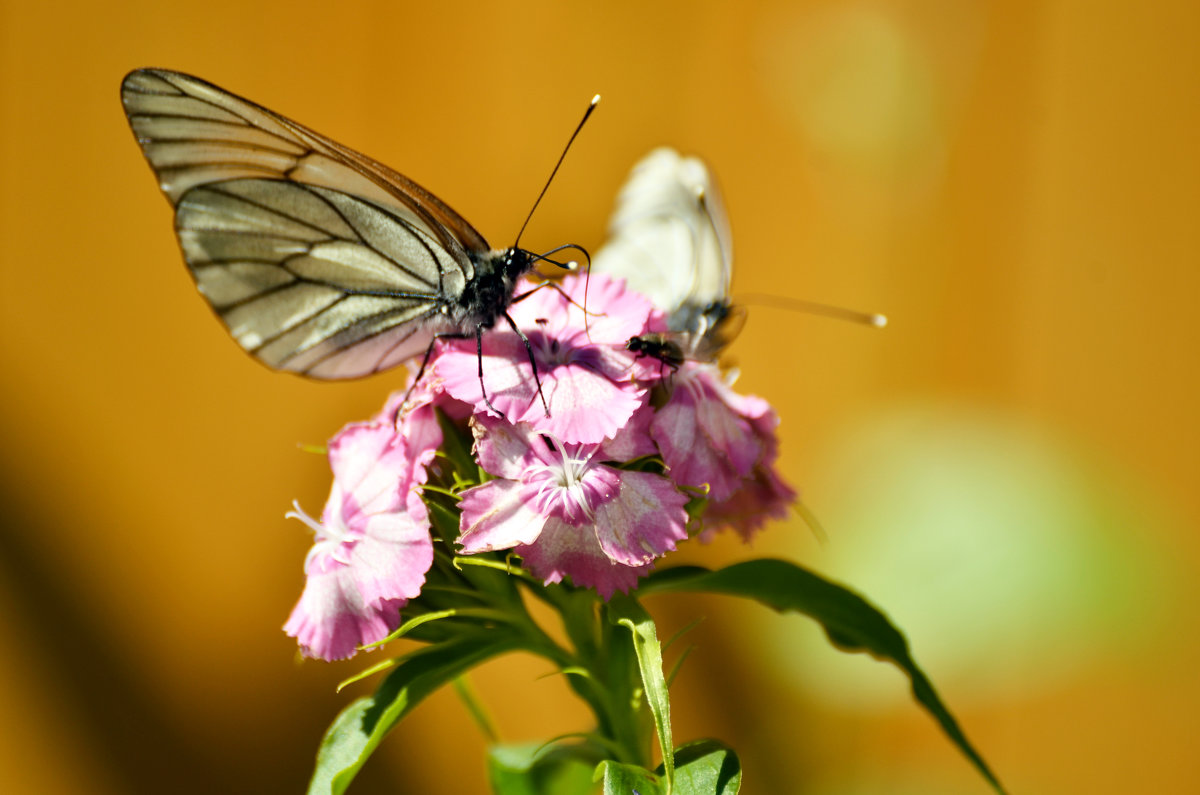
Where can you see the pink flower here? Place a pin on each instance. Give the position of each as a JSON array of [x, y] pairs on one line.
[[705, 431], [763, 496], [372, 544], [592, 385], [711, 437], [565, 511]]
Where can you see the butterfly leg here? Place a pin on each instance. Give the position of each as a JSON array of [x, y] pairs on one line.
[[425, 363], [479, 354], [569, 300], [561, 292], [532, 362]]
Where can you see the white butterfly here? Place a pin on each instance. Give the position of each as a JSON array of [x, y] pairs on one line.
[[320, 260], [669, 239]]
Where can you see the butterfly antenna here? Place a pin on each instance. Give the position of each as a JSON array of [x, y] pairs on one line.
[[815, 308], [565, 265], [591, 107]]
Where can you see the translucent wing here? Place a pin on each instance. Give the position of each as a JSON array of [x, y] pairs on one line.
[[319, 259], [312, 280], [669, 238]]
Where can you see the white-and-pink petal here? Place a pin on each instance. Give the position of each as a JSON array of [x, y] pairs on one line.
[[332, 619], [496, 515], [587, 376], [565, 550], [644, 521]]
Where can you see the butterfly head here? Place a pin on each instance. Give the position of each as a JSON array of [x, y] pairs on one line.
[[514, 263]]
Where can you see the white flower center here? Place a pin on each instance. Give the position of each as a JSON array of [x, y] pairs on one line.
[[563, 485]]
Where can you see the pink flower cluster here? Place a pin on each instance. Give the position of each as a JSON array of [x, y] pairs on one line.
[[575, 492]]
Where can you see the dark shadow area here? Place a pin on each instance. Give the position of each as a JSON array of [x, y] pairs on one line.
[[145, 747]]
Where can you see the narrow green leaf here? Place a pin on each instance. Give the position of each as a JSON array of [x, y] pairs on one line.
[[410, 625], [628, 612], [707, 767], [678, 666], [367, 673], [429, 488], [532, 769], [358, 730], [570, 670], [811, 520], [623, 779], [476, 708], [683, 631], [851, 622]]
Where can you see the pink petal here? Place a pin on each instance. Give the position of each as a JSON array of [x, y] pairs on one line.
[[761, 498], [585, 407], [331, 619], [566, 550], [391, 560], [370, 468], [586, 374], [506, 373], [690, 458], [503, 449], [422, 436], [730, 435], [645, 520], [497, 516], [633, 440], [544, 488], [615, 313], [710, 435]]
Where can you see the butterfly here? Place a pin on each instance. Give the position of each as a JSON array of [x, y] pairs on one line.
[[669, 239], [318, 259]]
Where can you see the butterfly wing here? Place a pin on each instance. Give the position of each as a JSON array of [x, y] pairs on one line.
[[319, 259], [669, 238]]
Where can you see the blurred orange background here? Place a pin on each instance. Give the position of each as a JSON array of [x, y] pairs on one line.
[[1009, 469]]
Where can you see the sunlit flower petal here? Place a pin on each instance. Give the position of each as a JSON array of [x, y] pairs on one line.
[[589, 381], [372, 546], [573, 513], [565, 550]]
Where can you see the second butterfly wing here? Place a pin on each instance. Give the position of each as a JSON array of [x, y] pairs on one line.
[[320, 260], [669, 239]]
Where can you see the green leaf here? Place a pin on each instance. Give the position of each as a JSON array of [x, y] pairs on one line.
[[707, 767], [623, 779], [534, 769], [629, 613], [852, 623], [358, 730], [475, 707], [410, 625], [703, 767]]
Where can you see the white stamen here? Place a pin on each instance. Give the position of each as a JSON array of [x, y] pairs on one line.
[[299, 513], [327, 535], [570, 480]]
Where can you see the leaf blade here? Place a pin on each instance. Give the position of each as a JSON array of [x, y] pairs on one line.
[[357, 731], [628, 612], [850, 621]]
